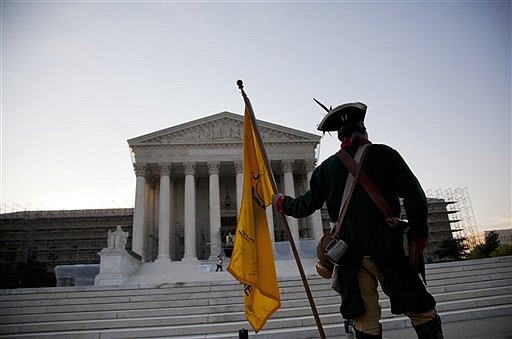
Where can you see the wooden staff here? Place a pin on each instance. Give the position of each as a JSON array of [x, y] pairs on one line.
[[285, 222]]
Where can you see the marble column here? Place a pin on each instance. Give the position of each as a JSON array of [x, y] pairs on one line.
[[164, 213], [214, 193], [190, 212], [139, 234], [289, 189], [239, 168], [316, 217]]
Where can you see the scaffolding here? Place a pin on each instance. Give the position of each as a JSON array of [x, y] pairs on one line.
[[461, 211]]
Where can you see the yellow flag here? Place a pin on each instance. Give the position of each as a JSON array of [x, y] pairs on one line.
[[252, 261]]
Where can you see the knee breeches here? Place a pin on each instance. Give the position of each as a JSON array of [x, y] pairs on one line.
[[368, 278]]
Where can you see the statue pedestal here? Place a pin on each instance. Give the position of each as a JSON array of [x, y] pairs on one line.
[[116, 266]]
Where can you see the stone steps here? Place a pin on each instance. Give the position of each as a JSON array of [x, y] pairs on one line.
[[205, 309]]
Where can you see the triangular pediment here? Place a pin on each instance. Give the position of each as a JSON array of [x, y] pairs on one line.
[[223, 127]]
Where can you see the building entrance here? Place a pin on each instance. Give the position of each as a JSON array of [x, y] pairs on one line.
[[227, 231]]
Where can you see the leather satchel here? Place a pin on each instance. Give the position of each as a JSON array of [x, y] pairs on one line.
[[324, 266]]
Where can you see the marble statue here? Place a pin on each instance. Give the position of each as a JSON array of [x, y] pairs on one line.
[[117, 239]]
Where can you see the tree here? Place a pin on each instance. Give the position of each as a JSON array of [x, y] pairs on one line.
[[453, 248], [478, 252], [502, 250], [492, 242]]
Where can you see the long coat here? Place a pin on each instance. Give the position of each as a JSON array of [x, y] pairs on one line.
[[364, 227]]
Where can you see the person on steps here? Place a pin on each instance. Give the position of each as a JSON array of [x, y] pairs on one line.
[[375, 253]]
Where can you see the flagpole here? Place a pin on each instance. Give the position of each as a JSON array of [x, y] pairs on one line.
[[285, 222]]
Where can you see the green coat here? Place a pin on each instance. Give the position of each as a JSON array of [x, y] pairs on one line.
[[365, 229]]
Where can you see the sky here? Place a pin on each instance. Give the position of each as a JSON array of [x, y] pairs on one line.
[[78, 79]]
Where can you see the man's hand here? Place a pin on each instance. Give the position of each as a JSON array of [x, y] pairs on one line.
[[278, 201], [416, 247], [395, 222]]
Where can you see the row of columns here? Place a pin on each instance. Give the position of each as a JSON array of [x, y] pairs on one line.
[[139, 236]]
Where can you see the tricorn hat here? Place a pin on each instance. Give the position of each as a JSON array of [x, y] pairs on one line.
[[349, 114]]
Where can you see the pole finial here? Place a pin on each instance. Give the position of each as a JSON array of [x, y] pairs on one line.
[[240, 84]]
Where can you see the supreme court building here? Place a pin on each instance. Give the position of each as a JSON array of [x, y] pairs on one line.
[[188, 192], [189, 185]]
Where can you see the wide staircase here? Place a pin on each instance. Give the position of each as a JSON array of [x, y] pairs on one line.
[[201, 309]]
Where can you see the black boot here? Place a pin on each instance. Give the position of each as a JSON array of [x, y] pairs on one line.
[[362, 335], [430, 330]]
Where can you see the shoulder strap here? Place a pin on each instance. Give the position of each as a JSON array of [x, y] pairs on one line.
[[365, 182], [350, 184]]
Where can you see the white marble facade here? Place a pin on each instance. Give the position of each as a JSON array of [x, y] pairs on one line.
[[189, 182]]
